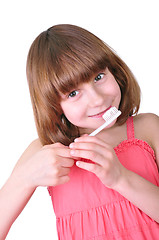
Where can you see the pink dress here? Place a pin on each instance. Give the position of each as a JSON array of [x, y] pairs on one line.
[[87, 210]]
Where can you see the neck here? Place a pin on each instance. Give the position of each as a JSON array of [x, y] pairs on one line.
[[112, 135]]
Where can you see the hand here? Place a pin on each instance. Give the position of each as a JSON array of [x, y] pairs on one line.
[[49, 166], [105, 166]]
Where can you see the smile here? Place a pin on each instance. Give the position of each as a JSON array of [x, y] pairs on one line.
[[99, 115]]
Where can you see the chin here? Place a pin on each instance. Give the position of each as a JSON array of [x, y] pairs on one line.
[[112, 124]]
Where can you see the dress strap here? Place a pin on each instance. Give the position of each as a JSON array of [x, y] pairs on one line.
[[130, 128]]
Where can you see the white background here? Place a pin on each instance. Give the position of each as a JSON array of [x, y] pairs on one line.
[[129, 27]]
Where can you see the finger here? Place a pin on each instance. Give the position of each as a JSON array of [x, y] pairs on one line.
[[58, 145], [67, 162], [85, 146], [63, 152], [91, 139], [54, 145], [91, 167], [92, 151], [92, 155], [58, 149]]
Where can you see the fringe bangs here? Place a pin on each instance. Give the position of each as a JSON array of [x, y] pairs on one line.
[[73, 71]]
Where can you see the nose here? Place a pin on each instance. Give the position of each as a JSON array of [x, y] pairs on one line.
[[95, 97]]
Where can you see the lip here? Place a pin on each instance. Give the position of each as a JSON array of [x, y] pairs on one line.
[[99, 115]]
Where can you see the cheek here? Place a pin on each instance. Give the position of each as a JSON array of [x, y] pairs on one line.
[[72, 112], [73, 116], [113, 90], [116, 90]]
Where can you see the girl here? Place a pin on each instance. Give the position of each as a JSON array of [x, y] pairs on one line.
[[102, 187]]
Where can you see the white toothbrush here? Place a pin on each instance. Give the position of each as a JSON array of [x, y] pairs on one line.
[[109, 117]]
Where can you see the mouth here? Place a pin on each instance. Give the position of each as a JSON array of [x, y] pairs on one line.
[[100, 114]]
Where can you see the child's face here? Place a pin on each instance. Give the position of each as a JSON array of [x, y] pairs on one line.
[[85, 105]]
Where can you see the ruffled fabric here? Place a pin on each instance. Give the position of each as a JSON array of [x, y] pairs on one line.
[[127, 222], [143, 160], [127, 143]]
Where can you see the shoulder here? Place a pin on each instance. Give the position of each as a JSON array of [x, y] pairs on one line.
[[33, 147], [147, 118], [146, 127], [147, 124], [35, 144]]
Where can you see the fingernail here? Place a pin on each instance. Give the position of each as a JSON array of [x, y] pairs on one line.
[[77, 163], [71, 145]]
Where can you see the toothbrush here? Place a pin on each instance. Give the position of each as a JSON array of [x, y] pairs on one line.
[[109, 117]]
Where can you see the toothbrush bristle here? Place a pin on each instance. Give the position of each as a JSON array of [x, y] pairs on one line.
[[109, 117], [111, 112]]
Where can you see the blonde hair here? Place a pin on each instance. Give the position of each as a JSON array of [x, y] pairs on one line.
[[59, 60]]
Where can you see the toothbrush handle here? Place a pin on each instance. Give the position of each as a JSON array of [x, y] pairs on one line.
[[99, 129], [105, 124]]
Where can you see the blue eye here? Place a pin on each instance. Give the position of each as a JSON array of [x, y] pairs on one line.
[[73, 94], [99, 77]]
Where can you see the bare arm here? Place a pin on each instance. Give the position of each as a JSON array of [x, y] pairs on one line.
[[140, 192], [15, 194], [38, 166], [13, 198]]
